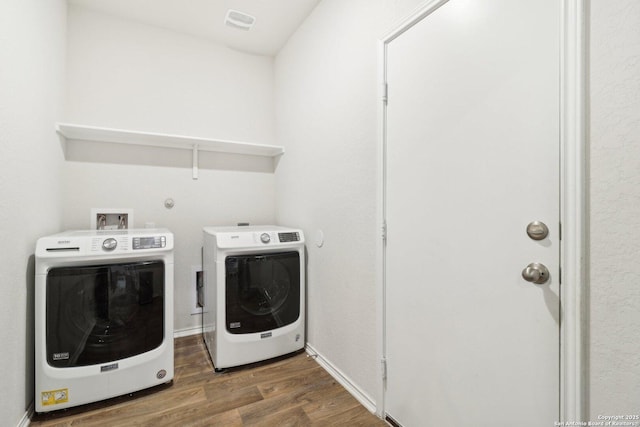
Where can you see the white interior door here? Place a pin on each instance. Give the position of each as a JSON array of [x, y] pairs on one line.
[[472, 157]]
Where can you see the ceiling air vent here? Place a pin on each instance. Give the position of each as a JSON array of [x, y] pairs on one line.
[[239, 20]]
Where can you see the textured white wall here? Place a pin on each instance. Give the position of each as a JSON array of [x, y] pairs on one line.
[[615, 207], [128, 75], [326, 100], [32, 52]]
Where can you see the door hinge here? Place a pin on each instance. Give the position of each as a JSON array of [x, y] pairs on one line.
[[383, 367], [384, 231], [385, 93], [560, 275]]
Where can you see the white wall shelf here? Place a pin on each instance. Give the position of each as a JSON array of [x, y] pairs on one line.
[[121, 136]]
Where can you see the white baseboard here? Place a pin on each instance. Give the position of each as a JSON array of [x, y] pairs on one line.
[[26, 418], [344, 381], [194, 330]]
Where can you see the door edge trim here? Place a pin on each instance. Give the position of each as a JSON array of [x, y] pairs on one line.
[[573, 212]]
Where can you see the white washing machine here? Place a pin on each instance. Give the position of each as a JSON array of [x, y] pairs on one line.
[[103, 315], [254, 293]]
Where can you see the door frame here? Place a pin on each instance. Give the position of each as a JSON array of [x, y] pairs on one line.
[[574, 286]]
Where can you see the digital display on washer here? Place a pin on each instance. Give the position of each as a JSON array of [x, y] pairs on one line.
[[153, 242]]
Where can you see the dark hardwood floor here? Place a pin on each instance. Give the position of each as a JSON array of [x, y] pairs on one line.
[[289, 391]]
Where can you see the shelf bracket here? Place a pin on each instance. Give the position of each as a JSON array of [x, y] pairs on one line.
[[195, 161]]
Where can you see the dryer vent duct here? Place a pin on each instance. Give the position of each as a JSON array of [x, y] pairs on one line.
[[239, 20]]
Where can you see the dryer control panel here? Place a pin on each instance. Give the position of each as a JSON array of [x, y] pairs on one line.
[[289, 237], [245, 237]]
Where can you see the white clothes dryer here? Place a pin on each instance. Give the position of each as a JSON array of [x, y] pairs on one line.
[[103, 315], [254, 293]]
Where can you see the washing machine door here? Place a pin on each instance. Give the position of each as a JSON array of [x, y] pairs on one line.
[[101, 313], [262, 291]]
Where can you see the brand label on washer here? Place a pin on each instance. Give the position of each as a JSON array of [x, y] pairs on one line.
[[61, 356], [54, 397], [107, 368], [234, 325], [265, 335]]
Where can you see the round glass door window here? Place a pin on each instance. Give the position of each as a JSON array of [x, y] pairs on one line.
[[266, 289], [262, 291]]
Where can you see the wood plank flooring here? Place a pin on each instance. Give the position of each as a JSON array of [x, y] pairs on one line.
[[290, 391]]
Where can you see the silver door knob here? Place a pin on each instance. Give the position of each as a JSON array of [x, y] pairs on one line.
[[536, 273]]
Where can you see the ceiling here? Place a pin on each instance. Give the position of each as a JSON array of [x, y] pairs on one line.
[[275, 20]]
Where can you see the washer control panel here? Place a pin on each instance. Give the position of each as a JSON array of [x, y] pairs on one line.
[[80, 243], [150, 242]]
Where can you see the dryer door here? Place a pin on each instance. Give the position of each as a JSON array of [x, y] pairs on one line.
[[262, 291]]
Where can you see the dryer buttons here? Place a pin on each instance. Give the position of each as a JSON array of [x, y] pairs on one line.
[[265, 238]]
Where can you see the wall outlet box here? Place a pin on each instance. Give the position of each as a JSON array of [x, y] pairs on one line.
[[111, 219]]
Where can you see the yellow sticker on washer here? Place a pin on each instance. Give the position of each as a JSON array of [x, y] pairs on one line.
[[54, 397]]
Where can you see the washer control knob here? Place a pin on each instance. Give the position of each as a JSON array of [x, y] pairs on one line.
[[109, 244], [265, 238]]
